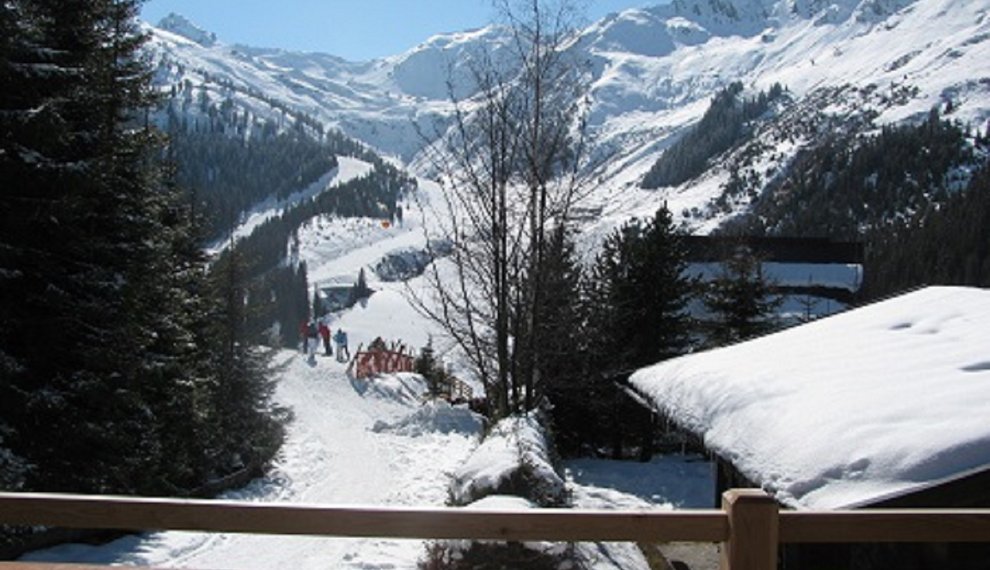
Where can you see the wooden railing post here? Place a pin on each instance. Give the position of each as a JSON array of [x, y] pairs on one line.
[[753, 530]]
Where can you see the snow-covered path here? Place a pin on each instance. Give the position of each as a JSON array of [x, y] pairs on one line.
[[334, 454]]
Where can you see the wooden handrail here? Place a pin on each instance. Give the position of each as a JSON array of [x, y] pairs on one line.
[[82, 511], [750, 523]]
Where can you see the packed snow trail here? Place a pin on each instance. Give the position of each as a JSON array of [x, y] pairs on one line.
[[334, 454]]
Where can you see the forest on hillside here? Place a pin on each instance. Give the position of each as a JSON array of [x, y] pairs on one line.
[[228, 160], [914, 194], [125, 362], [727, 121]]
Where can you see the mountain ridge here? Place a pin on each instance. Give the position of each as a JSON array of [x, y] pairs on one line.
[[653, 73]]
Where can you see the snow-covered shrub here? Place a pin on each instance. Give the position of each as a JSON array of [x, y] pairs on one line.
[[514, 459]]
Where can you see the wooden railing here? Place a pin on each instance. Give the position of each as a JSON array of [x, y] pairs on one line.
[[750, 524]]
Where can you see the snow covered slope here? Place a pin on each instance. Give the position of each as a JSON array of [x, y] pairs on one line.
[[887, 60], [340, 450], [355, 442], [653, 71], [378, 102], [846, 410]]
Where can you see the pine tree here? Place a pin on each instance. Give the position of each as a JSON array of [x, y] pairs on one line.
[[106, 380], [658, 293], [427, 366], [740, 300], [640, 294], [248, 427], [83, 219], [635, 313], [563, 386], [360, 289], [317, 306]]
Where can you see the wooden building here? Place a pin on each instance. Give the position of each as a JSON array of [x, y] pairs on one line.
[[886, 406]]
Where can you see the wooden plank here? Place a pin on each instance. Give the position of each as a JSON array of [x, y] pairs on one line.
[[914, 525], [753, 530], [81, 511]]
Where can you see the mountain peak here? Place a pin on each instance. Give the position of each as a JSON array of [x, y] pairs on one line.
[[180, 25], [731, 10]]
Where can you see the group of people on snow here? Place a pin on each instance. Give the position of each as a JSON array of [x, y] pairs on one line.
[[311, 332]]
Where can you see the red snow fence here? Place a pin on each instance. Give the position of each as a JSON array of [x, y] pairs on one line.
[[381, 358]]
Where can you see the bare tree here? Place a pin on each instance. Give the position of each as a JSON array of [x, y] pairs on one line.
[[511, 167]]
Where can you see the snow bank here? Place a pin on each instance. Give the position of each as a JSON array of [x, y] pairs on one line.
[[502, 503], [404, 387], [435, 417], [513, 459], [849, 409]]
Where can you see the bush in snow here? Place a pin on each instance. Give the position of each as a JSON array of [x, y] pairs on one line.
[[476, 555], [514, 459]]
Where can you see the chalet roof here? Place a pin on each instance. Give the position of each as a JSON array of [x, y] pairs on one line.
[[848, 410]]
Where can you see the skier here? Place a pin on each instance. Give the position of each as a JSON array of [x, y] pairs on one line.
[[312, 335], [325, 335], [341, 339]]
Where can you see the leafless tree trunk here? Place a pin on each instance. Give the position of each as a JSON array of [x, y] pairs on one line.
[[510, 169]]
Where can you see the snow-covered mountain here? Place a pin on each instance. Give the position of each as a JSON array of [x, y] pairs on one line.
[[654, 71]]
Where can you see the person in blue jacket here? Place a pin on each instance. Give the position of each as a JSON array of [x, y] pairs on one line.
[[340, 339]]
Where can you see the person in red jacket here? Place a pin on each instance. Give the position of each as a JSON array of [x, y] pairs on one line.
[[303, 333], [325, 335]]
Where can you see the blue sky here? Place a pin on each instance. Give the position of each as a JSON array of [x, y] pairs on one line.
[[353, 29]]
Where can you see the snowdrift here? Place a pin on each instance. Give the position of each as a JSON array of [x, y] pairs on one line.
[[435, 417], [514, 459]]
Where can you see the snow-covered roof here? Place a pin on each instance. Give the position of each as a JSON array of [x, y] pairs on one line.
[[845, 411]]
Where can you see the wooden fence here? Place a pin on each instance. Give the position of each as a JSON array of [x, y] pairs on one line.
[[750, 525], [380, 360]]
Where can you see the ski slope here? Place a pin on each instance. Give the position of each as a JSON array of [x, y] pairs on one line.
[[375, 443], [333, 455]]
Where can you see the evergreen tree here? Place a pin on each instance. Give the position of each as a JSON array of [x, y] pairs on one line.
[[641, 295], [657, 280], [249, 428], [360, 289], [317, 307], [849, 183], [84, 220], [723, 125], [430, 369], [112, 377], [634, 310], [563, 386], [740, 300], [949, 245]]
